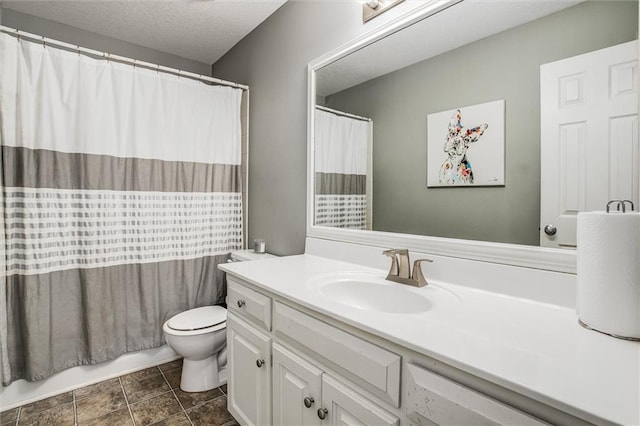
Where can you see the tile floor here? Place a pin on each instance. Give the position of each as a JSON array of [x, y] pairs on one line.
[[146, 397]]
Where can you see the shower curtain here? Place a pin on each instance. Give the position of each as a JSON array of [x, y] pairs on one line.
[[341, 158], [122, 193]]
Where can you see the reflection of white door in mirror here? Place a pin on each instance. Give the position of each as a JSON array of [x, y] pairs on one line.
[[589, 137]]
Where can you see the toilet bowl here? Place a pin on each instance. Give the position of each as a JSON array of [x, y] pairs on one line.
[[199, 336]]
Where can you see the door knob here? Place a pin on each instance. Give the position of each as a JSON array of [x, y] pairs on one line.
[[240, 303], [322, 413], [550, 230], [260, 363], [308, 402]]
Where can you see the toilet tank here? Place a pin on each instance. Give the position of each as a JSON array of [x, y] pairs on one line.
[[245, 255]]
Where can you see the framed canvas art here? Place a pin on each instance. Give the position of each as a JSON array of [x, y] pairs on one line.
[[465, 146]]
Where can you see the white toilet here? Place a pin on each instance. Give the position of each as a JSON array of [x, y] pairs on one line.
[[199, 336]]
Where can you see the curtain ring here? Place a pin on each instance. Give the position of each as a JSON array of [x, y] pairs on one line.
[[158, 69], [43, 43], [105, 55]]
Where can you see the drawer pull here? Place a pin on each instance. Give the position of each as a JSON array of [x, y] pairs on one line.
[[241, 303], [260, 363], [322, 413], [308, 402]]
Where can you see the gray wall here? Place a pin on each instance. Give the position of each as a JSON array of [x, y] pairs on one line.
[[57, 31], [505, 66], [273, 60]]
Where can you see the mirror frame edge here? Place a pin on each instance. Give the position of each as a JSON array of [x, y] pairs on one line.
[[544, 258]]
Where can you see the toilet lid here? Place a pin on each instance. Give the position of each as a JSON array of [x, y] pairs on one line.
[[198, 318]]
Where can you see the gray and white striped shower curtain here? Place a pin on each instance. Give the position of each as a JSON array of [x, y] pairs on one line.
[[341, 163], [122, 193]]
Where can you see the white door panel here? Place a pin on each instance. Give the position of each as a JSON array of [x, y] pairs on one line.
[[589, 137]]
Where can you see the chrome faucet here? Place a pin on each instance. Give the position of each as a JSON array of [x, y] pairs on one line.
[[400, 271]]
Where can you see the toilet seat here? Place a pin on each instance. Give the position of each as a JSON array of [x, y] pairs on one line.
[[204, 319]]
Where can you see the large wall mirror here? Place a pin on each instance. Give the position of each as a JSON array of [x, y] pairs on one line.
[[477, 128]]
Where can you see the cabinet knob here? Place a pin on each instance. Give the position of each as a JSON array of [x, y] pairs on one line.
[[308, 402], [240, 303], [322, 413], [260, 363]]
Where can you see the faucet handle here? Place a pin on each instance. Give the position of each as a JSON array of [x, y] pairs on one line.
[[402, 259], [417, 275], [393, 254]]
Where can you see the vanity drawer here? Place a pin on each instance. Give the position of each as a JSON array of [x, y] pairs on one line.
[[249, 303], [375, 369], [433, 399]]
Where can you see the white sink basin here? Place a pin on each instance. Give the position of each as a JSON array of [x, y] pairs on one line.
[[371, 292]]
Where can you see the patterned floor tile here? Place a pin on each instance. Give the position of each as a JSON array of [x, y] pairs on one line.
[[145, 387], [173, 377], [142, 374], [8, 416], [171, 365], [57, 416], [121, 417], [99, 387], [151, 402], [211, 413], [156, 409], [46, 404], [98, 404], [192, 399], [179, 419]]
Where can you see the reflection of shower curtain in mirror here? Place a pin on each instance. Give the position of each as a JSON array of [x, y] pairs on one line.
[[122, 193], [341, 159]]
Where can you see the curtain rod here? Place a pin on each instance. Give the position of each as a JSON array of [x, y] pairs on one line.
[[344, 114], [110, 56]]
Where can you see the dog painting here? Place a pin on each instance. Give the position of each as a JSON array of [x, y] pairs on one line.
[[456, 169], [465, 139]]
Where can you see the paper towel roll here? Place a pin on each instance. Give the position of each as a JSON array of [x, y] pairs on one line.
[[608, 272]]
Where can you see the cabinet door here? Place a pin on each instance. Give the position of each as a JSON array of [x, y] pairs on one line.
[[346, 407], [296, 384], [249, 373]]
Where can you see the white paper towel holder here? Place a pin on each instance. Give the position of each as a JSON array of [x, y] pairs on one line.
[[632, 339], [620, 207]]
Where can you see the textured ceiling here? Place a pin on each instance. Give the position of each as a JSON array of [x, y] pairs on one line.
[[201, 30]]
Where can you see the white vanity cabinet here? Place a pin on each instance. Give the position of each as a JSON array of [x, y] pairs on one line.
[[249, 372], [432, 399], [305, 395], [249, 355], [269, 383], [292, 366]]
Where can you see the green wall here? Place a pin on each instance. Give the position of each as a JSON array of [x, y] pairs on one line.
[[504, 66]]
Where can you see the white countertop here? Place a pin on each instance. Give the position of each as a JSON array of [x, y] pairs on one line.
[[532, 348]]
